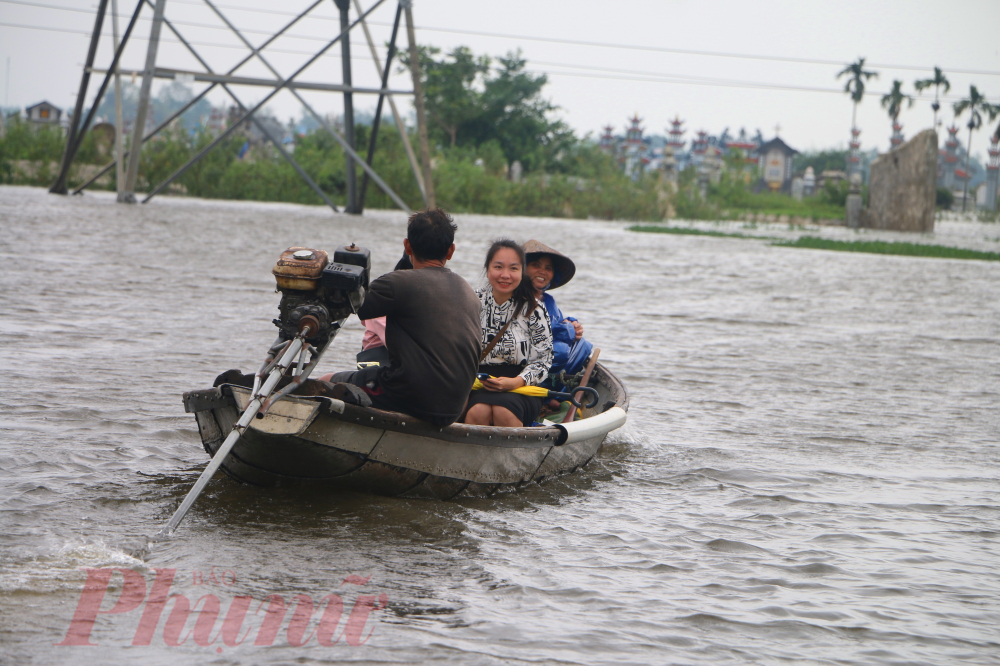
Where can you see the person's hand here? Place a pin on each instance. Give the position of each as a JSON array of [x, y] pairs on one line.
[[498, 384], [578, 327]]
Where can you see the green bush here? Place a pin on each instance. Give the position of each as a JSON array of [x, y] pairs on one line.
[[822, 160], [581, 182], [944, 198]]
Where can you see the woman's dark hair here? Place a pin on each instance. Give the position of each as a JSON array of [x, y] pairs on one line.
[[524, 293], [431, 233]]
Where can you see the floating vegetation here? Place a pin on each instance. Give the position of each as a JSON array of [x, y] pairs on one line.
[[889, 247], [689, 231], [815, 243]]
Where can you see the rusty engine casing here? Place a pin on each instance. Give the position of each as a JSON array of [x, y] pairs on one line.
[[299, 268], [316, 292]]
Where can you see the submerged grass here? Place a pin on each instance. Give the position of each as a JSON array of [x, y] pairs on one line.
[[686, 231], [815, 243], [889, 247]]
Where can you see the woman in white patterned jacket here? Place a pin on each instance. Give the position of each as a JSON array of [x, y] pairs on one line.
[[524, 353]]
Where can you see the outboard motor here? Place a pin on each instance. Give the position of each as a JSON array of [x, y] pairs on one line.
[[319, 293]]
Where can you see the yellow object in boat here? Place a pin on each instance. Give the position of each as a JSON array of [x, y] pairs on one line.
[[539, 392], [536, 391]]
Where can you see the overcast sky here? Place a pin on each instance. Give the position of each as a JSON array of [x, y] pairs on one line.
[[593, 84]]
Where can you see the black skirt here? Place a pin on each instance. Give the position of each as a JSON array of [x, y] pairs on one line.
[[525, 407]]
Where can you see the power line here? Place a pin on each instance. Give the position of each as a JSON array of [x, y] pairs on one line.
[[572, 42], [170, 40], [715, 83], [634, 47], [591, 72], [189, 24], [658, 77], [716, 54]]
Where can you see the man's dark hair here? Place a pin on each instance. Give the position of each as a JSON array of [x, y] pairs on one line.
[[431, 233]]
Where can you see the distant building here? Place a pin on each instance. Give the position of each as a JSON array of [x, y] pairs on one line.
[[955, 169], [992, 174], [216, 120], [634, 150], [44, 113], [809, 182], [745, 144], [702, 146], [676, 141], [609, 143], [770, 163], [775, 166], [854, 156], [896, 139], [948, 160]]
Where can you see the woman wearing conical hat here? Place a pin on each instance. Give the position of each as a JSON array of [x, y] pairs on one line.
[[548, 269]]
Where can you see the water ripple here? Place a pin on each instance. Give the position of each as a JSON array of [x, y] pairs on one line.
[[808, 474]]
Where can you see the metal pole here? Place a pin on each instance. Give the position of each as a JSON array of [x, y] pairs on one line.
[[267, 98], [968, 160], [127, 195], [284, 153], [119, 122], [107, 79], [207, 77], [234, 435], [59, 187], [418, 94], [267, 64], [378, 109], [400, 125], [176, 114], [266, 132], [345, 57], [194, 101]]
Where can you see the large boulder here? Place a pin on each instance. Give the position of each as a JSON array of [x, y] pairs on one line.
[[901, 186]]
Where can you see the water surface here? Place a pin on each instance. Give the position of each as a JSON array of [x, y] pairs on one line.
[[809, 473]]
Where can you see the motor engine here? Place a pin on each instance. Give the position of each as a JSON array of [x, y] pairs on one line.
[[317, 292]]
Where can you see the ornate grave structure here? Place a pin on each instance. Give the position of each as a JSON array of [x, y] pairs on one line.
[[776, 166], [992, 173]]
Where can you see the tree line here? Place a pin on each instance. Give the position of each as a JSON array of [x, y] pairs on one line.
[[976, 103], [484, 114]]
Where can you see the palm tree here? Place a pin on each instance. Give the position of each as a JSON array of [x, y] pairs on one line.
[[977, 105], [894, 101], [937, 81], [856, 84]]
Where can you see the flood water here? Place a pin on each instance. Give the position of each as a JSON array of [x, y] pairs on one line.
[[809, 473]]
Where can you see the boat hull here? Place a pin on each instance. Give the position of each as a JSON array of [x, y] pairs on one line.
[[319, 440]]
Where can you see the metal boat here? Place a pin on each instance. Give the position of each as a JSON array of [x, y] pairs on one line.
[[323, 440]]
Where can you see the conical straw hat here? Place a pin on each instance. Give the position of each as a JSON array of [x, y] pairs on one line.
[[564, 267]]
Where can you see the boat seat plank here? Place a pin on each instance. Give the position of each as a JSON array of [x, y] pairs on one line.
[[288, 416]]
